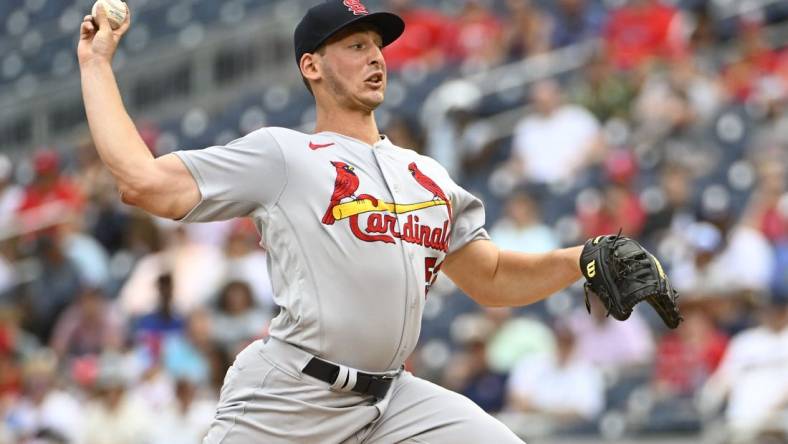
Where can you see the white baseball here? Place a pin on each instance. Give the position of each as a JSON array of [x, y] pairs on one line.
[[115, 9]]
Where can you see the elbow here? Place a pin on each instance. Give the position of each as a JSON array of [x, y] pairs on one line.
[[149, 198], [138, 194], [130, 195]]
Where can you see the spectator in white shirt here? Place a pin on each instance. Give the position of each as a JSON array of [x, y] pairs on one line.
[[752, 375], [116, 416], [555, 141], [560, 387], [741, 262], [187, 419], [44, 409], [197, 273]]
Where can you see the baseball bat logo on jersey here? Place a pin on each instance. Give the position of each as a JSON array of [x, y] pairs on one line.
[[382, 224]]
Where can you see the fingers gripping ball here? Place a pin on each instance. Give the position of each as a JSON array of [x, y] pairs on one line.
[[115, 10], [622, 274]]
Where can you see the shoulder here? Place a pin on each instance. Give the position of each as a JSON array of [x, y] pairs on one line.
[[749, 336], [576, 111], [749, 343], [277, 134], [280, 131], [407, 155]]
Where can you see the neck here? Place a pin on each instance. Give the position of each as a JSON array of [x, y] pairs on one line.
[[357, 124]]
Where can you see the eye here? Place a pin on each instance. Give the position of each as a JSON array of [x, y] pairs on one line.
[[357, 46]]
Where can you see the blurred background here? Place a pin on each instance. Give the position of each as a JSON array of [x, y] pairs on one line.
[[569, 118]]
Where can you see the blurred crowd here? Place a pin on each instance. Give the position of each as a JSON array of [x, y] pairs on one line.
[[116, 327]]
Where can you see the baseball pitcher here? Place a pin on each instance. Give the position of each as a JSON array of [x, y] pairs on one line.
[[356, 230]]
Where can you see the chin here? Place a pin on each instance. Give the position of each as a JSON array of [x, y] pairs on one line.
[[373, 100]]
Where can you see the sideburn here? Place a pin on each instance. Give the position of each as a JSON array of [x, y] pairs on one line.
[[333, 82]]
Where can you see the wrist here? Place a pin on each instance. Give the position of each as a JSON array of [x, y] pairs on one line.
[[95, 63], [572, 256]]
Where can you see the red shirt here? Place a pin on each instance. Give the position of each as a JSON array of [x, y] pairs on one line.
[[774, 225], [473, 36], [62, 191], [741, 77], [10, 375], [635, 34], [425, 32], [627, 216], [684, 367]]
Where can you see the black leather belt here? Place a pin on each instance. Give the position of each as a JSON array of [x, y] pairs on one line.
[[366, 384]]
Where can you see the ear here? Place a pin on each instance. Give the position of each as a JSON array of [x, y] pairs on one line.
[[310, 66]]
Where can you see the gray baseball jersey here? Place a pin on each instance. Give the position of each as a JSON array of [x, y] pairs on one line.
[[355, 234]]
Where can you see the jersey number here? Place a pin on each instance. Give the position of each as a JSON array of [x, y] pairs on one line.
[[431, 269]]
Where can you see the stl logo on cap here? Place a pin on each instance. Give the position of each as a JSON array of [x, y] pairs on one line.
[[356, 7]]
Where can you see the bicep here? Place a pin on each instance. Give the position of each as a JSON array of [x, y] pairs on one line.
[[473, 267]]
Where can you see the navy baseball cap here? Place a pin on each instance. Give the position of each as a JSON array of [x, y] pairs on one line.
[[328, 18]]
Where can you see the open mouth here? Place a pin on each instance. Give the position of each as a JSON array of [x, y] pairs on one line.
[[375, 80]]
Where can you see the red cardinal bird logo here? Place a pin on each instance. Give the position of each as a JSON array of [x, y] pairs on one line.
[[345, 186], [429, 185]]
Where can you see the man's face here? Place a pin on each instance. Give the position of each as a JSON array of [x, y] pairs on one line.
[[353, 69], [546, 97]]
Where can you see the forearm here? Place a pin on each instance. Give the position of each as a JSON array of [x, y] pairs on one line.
[[161, 186], [114, 134], [525, 278], [497, 278]]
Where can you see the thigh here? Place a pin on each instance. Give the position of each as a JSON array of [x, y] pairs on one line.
[[419, 411], [262, 402]]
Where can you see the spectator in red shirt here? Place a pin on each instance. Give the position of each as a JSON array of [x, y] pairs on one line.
[[477, 39], [687, 356], [756, 59], [49, 187], [425, 38], [620, 207], [643, 30]]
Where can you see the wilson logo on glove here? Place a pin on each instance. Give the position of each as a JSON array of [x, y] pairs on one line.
[[622, 274], [591, 269]]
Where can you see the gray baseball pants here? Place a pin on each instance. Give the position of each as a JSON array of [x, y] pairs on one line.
[[266, 399]]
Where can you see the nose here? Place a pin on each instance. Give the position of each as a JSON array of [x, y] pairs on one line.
[[377, 58]]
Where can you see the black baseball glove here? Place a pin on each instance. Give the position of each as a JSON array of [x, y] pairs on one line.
[[622, 273]]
